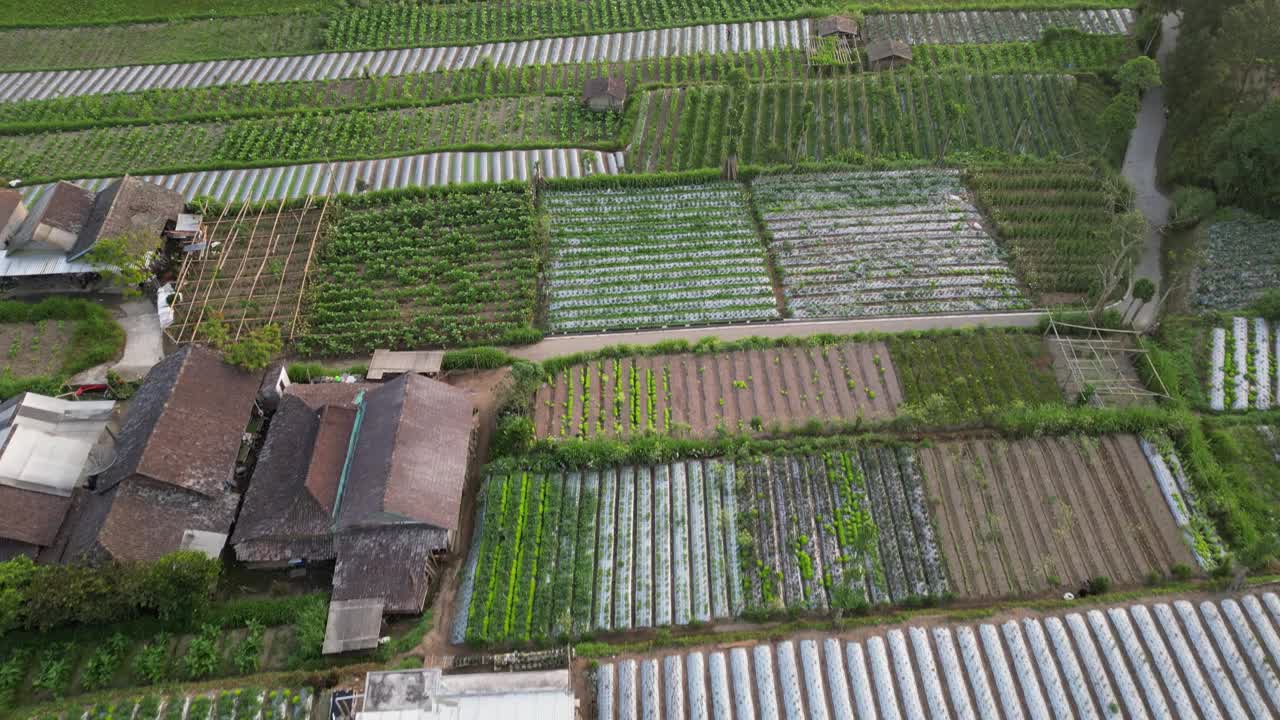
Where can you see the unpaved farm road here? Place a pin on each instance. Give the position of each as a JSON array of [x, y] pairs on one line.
[[558, 345]]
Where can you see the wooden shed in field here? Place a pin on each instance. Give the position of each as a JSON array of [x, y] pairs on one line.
[[603, 94], [838, 26], [888, 54]]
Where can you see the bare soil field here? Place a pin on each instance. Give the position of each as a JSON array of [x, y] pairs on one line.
[[1030, 516], [34, 349], [740, 391]]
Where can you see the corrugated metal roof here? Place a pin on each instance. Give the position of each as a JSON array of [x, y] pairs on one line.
[[22, 264], [353, 625], [443, 168]]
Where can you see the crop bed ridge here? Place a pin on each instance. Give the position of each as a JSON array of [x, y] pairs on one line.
[[993, 26], [349, 177], [1182, 658], [613, 47]]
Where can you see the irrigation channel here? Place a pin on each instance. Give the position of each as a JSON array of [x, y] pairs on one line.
[[442, 168], [936, 27]]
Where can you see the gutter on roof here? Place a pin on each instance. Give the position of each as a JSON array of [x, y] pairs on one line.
[[351, 451]]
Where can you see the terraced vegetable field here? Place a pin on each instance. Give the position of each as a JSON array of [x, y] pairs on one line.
[[355, 176], [889, 243], [614, 47], [1055, 221], [232, 704], [616, 549], [991, 26], [698, 394], [1181, 658], [1030, 516], [448, 268], [514, 122], [840, 530], [1244, 371], [865, 115], [1240, 260], [637, 257]]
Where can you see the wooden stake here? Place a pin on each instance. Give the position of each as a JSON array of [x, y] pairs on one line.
[[271, 243], [289, 258]]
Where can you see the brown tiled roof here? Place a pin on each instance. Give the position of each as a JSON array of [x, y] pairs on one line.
[[317, 395], [65, 207], [842, 24], [10, 199], [140, 520], [363, 570], [884, 49], [410, 457], [185, 423], [329, 454], [279, 514], [128, 204], [31, 517], [613, 87]]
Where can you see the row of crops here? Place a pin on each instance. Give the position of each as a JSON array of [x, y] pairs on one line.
[[356, 176], [1239, 261], [1179, 659], [447, 269], [564, 554], [1244, 370], [1085, 53], [899, 114], [882, 244], [654, 256], [631, 547], [238, 704], [977, 26], [1056, 221], [616, 47], [514, 122], [837, 531]]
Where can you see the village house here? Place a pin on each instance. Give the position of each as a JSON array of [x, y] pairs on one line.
[[357, 474], [172, 484], [67, 220], [838, 26], [47, 446], [603, 94], [888, 54]]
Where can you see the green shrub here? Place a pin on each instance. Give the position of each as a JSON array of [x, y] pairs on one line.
[[151, 664], [1144, 289], [1268, 306], [12, 672], [1191, 206], [247, 655], [477, 358], [102, 664], [309, 631], [202, 659], [514, 435], [54, 673]]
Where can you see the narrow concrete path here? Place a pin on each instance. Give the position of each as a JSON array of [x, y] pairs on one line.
[[143, 344], [557, 345], [1140, 167]]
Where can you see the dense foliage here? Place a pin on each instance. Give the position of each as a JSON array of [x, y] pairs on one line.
[[451, 268], [42, 597]]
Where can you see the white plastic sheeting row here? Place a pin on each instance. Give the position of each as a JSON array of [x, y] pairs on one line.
[[1207, 659], [992, 26], [1253, 340], [613, 47], [444, 168]]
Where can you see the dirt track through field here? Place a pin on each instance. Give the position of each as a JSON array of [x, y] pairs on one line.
[[740, 391], [1024, 517]]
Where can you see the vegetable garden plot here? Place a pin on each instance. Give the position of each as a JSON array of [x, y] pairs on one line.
[[446, 269], [699, 394], [1026, 517], [1055, 221], [1181, 658], [622, 548], [252, 276], [1244, 366], [991, 26], [527, 121], [870, 114], [357, 176], [836, 531], [1240, 261], [654, 256], [960, 377], [853, 244], [615, 47], [1086, 53], [237, 704]]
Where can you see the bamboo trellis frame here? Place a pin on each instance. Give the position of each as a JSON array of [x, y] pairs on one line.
[[1097, 350]]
